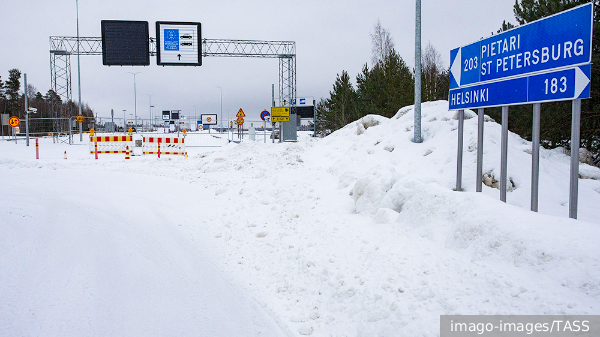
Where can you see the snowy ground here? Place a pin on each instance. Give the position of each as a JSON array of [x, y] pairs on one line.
[[357, 234]]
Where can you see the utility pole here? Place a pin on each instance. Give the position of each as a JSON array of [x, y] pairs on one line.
[[417, 107], [150, 105], [134, 98], [222, 108], [78, 70]]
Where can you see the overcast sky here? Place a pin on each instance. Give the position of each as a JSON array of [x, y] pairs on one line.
[[330, 36]]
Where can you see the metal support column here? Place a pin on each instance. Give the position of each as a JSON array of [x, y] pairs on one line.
[[459, 155], [417, 107], [26, 110], [504, 154], [480, 121], [575, 139], [535, 156]]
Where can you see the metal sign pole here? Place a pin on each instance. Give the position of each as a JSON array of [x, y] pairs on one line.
[[575, 139], [504, 154], [535, 156], [459, 155], [480, 121]]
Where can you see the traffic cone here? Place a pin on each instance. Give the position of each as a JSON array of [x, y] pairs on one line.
[[127, 153], [186, 155], [65, 154]]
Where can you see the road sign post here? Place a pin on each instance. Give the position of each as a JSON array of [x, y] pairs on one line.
[[544, 61]]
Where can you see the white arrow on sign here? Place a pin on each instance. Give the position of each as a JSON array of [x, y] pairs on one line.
[[581, 81], [456, 67]]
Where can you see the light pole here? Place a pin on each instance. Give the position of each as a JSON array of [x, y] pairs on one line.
[[195, 119], [221, 106], [124, 126], [78, 68], [417, 107], [151, 120], [150, 104], [134, 97]]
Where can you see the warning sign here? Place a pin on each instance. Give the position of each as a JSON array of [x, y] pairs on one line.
[[14, 121], [240, 113]]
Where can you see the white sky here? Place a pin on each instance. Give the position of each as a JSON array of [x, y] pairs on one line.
[[330, 36]]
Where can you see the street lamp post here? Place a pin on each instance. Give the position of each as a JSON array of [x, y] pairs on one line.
[[124, 124], [78, 68], [221, 89], [134, 97], [150, 104]]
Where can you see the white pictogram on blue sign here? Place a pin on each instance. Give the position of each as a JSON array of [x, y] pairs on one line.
[[171, 39]]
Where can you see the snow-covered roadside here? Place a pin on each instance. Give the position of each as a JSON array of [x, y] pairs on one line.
[[361, 234], [90, 252]]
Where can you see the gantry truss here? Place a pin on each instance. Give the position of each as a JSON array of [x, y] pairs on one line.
[[62, 47]]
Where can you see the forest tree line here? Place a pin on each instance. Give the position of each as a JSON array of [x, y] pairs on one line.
[[49, 105]]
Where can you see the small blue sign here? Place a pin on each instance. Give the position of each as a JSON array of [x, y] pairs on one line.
[[171, 39], [573, 83], [558, 41]]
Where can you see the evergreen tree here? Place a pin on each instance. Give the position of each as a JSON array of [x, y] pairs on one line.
[[556, 117], [13, 85], [342, 102]]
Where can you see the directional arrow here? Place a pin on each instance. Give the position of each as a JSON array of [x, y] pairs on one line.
[[455, 69], [581, 82], [179, 56]]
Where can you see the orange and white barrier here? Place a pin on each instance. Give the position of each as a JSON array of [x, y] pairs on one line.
[[110, 144], [163, 145]]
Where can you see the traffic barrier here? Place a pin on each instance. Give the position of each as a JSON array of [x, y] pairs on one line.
[[110, 144], [163, 145]]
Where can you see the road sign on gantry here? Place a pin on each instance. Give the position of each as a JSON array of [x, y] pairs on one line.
[[178, 43], [559, 41], [125, 43]]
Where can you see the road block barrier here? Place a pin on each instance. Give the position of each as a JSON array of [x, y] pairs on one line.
[[163, 145], [110, 144]]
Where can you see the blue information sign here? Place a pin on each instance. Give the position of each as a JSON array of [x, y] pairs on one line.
[[566, 84], [171, 39], [559, 41]]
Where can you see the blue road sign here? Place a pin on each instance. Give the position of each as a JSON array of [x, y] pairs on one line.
[[171, 39], [559, 41], [566, 84]]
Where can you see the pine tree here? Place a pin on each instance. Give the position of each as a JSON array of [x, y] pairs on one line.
[[556, 117], [342, 102], [13, 85]]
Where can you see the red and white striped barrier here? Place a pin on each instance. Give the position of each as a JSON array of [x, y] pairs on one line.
[[163, 145], [110, 144]]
